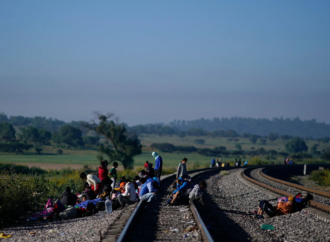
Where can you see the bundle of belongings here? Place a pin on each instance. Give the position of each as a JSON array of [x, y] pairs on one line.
[[71, 207]]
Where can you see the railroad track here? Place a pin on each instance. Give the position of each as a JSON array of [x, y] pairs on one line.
[[156, 222], [258, 176]]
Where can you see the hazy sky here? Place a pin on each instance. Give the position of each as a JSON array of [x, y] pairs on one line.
[[156, 61]]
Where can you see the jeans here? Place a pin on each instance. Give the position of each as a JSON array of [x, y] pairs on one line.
[[113, 185], [124, 200], [148, 197]]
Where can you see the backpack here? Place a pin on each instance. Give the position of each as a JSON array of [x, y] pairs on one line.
[[100, 206]]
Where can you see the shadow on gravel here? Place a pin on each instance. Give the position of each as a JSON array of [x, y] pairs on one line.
[[220, 226]]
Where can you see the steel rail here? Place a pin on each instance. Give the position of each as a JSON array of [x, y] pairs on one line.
[[124, 235], [324, 194], [314, 204]]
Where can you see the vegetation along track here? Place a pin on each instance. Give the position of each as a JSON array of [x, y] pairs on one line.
[[257, 176], [157, 222]]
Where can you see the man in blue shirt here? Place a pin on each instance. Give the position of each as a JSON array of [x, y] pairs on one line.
[[147, 191], [213, 163], [182, 187], [158, 164]]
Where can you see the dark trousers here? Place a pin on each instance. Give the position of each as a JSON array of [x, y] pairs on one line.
[[158, 173]]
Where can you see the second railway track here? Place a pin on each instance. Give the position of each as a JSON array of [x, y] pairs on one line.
[[256, 176]]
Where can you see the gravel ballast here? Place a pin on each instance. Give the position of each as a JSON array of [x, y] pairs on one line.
[[79, 229], [256, 175], [229, 215]]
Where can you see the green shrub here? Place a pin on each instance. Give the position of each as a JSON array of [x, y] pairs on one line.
[[322, 177], [20, 194], [257, 161]]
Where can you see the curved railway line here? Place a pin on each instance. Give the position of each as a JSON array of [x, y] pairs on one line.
[[259, 176], [156, 222]]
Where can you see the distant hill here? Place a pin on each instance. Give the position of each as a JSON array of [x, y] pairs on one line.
[[293, 127], [38, 122]]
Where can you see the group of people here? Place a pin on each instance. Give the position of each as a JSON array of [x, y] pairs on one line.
[[103, 186], [287, 161], [218, 163]]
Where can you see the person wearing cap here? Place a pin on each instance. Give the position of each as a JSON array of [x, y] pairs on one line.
[[158, 164]]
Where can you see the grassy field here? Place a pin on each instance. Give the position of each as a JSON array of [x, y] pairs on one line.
[[78, 158]]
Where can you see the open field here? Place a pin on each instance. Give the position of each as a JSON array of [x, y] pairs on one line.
[[77, 158]]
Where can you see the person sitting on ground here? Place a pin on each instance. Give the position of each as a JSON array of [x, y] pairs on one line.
[[137, 181], [146, 164], [122, 183], [106, 192], [246, 163], [283, 207], [196, 193], [182, 170], [143, 173], [181, 187], [113, 174], [84, 198], [68, 198], [93, 181], [129, 196], [103, 173], [89, 193], [147, 191]]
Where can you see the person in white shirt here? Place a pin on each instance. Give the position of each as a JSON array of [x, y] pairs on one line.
[[129, 196], [93, 181]]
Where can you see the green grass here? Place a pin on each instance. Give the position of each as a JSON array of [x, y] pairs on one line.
[[88, 157]]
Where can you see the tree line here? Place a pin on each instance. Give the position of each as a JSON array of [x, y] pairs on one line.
[[262, 127]]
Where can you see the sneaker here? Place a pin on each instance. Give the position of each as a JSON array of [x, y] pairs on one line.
[[259, 216]]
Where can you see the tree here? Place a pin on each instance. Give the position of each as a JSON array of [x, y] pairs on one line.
[[313, 149], [263, 141], [182, 134], [91, 140], [199, 141], [326, 156], [272, 136], [7, 132], [3, 118], [29, 134], [238, 147], [120, 148], [165, 147], [296, 145], [253, 138], [44, 136], [70, 135], [38, 149]]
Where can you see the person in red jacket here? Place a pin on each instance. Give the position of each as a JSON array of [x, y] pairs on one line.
[[146, 165], [103, 174]]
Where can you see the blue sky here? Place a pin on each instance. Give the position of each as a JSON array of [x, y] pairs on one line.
[[153, 61]]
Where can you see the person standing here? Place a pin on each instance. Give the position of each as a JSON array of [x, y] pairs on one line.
[[212, 163], [158, 164], [182, 170], [103, 174], [146, 165], [113, 174]]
